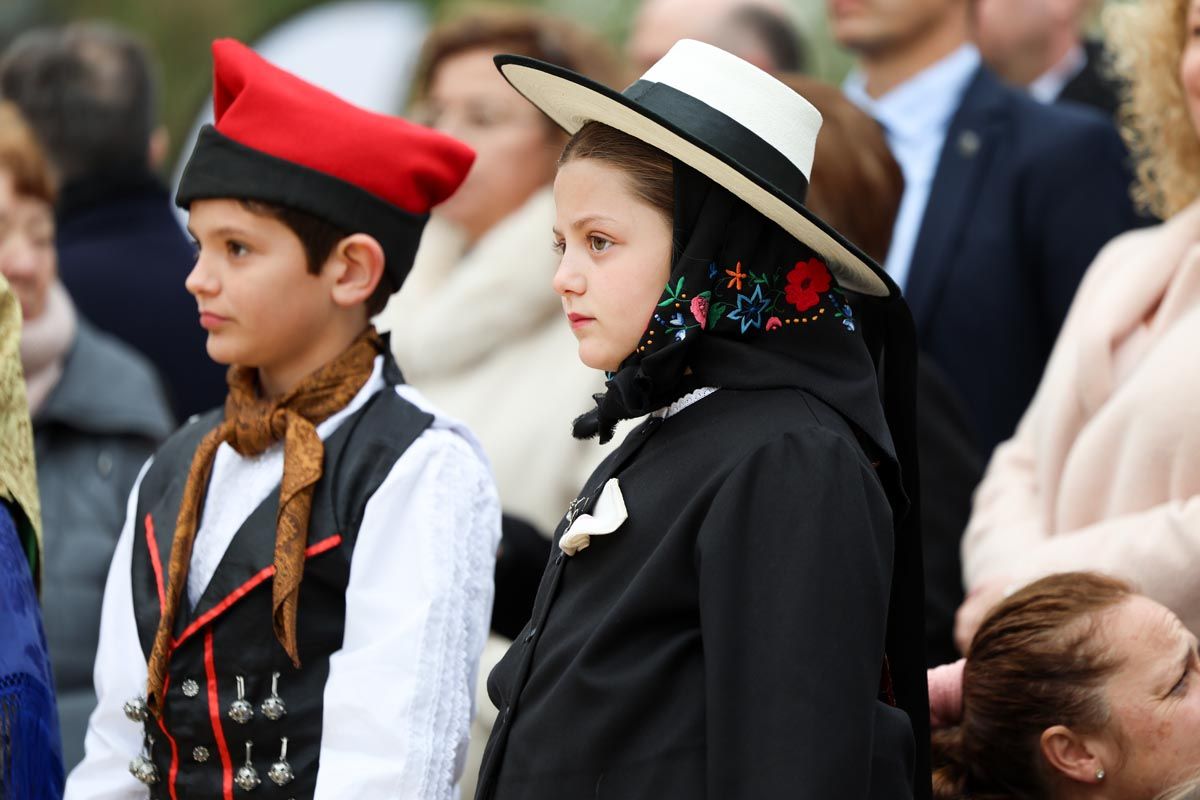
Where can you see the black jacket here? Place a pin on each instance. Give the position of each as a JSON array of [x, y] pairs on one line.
[[124, 258], [728, 640]]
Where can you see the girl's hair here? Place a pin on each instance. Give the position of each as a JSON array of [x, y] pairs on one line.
[[23, 158], [1147, 41], [650, 171], [1037, 661]]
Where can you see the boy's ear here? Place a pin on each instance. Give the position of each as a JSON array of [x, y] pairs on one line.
[[358, 262]]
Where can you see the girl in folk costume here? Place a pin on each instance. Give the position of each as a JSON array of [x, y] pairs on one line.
[[733, 608], [298, 601]]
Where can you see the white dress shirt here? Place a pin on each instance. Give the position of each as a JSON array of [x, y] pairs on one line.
[[915, 117], [399, 697], [1046, 87]]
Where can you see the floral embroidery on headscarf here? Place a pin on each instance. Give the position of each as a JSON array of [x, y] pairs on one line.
[[742, 301]]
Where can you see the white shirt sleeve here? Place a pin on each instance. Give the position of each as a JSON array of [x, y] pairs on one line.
[[399, 697], [112, 741]]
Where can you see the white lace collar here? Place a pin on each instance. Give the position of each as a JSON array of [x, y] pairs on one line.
[[683, 402]]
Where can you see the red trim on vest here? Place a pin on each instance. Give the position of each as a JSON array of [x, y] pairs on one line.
[[237, 594], [214, 716], [174, 747], [155, 564]]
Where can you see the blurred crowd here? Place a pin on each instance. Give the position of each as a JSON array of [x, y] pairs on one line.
[[1031, 188]]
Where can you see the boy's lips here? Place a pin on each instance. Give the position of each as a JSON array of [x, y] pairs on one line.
[[579, 320], [209, 321]]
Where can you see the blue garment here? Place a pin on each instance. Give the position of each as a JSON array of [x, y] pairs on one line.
[[1023, 198], [30, 750], [915, 117]]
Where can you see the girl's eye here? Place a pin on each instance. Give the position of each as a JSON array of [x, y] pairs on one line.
[[559, 246], [236, 248], [598, 243]]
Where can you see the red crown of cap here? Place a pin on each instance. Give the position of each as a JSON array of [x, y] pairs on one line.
[[263, 107]]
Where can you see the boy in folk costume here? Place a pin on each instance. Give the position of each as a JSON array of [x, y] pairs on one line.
[[297, 604]]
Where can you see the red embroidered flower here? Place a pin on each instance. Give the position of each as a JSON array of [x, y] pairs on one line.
[[774, 323], [805, 283], [700, 309]]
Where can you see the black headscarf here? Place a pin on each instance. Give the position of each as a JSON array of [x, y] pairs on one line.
[[748, 306]]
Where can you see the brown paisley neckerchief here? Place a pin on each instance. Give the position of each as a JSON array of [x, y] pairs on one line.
[[252, 424]]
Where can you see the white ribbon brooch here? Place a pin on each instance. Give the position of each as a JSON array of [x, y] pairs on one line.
[[608, 514]]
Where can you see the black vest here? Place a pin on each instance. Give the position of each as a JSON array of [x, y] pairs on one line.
[[197, 746]]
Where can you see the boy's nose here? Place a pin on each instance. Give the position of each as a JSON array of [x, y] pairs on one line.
[[200, 281]]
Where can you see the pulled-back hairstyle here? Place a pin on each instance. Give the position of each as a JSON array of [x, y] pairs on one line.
[[1035, 662], [650, 171], [1147, 40]]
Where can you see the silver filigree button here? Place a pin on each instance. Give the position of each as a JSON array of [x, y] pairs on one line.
[[247, 776], [200, 754], [273, 708], [136, 709], [190, 688], [240, 710], [281, 771], [142, 768]]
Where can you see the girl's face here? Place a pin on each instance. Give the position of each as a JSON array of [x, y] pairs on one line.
[[1189, 63], [616, 256]]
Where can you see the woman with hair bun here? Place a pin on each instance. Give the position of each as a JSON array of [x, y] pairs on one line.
[[1074, 687]]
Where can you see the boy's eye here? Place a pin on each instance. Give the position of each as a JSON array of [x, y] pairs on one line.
[[1180, 688], [559, 246], [236, 248], [598, 243]]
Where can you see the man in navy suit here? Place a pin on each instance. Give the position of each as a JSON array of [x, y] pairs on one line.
[[1006, 201]]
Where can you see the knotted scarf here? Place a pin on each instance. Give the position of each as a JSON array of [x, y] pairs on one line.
[[252, 424]]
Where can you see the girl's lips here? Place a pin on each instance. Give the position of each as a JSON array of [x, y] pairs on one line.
[[579, 320], [210, 321]]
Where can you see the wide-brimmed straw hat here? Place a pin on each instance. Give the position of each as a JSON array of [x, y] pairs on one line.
[[727, 119]]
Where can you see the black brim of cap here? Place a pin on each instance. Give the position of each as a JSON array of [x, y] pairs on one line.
[[221, 167]]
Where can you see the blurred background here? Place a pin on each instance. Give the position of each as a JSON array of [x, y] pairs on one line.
[[180, 31]]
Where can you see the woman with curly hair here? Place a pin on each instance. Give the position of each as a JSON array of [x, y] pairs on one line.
[[1103, 472]]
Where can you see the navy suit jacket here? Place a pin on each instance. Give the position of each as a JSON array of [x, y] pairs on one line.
[[1023, 198], [124, 258]]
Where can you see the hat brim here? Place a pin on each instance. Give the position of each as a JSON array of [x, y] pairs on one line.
[[571, 100]]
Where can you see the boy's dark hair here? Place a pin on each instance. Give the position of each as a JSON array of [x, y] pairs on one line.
[[89, 90], [318, 238]]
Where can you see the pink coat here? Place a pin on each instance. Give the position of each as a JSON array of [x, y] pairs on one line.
[[1103, 472]]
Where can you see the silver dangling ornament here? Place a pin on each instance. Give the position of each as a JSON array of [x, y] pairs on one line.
[[247, 776], [273, 708], [142, 768], [240, 710], [136, 709], [281, 771]]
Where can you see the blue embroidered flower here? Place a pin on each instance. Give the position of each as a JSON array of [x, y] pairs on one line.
[[712, 270], [677, 320], [750, 309]]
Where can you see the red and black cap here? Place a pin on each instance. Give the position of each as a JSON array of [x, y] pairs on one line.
[[281, 140]]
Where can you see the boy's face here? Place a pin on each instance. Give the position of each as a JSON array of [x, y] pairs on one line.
[[257, 300]]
